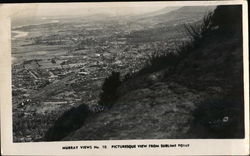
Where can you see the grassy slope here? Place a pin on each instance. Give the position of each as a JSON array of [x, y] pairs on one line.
[[157, 105]]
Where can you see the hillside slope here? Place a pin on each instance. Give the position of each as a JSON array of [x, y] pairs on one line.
[[196, 92], [154, 112], [156, 105]]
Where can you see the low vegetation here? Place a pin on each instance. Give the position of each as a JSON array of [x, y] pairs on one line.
[[198, 32], [109, 90], [68, 122], [24, 124]]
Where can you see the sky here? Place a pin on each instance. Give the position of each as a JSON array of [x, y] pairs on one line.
[[60, 9]]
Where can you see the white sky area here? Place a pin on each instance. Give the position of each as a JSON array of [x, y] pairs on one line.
[[62, 9]]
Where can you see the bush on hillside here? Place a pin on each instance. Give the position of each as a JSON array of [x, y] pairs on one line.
[[70, 121], [109, 90], [197, 32], [158, 61], [128, 76]]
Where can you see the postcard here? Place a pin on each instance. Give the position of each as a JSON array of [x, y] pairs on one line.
[[124, 78]]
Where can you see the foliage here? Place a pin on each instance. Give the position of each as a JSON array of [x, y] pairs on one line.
[[128, 76], [25, 123], [197, 32], [109, 90], [67, 123], [159, 60]]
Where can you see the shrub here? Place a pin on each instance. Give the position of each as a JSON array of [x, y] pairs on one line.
[[128, 76], [158, 60], [70, 121], [197, 32], [219, 118], [109, 90], [162, 59]]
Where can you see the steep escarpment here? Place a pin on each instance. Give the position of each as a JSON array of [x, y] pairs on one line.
[[196, 92], [158, 105]]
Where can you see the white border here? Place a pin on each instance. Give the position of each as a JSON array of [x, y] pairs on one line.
[[197, 146]]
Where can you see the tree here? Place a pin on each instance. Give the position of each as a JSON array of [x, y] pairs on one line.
[[53, 61], [109, 90]]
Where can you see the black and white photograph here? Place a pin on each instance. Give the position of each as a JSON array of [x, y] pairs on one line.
[[157, 73], [127, 71]]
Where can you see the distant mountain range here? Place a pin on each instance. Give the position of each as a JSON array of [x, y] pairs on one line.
[[160, 16], [174, 14], [159, 12]]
